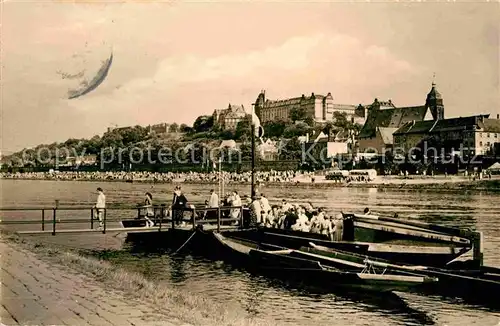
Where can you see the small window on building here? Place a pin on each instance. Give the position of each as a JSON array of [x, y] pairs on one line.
[[480, 143], [488, 135]]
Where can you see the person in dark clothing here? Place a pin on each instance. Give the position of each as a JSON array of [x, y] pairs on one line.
[[290, 219], [179, 204], [348, 229]]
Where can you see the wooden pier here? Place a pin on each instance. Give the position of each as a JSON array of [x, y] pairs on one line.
[[51, 217], [131, 230]]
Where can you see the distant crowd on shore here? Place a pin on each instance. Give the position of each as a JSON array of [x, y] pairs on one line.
[[187, 177]]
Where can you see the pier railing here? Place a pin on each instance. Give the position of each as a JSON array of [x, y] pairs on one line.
[[163, 218]]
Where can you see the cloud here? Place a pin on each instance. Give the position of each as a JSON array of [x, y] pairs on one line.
[[340, 57]]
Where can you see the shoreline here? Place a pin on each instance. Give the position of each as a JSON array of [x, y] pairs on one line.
[[81, 281], [449, 184]]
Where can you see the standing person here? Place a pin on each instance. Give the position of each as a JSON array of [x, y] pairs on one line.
[[266, 208], [337, 228], [179, 204], [255, 211], [213, 202], [100, 205], [148, 204], [235, 202]]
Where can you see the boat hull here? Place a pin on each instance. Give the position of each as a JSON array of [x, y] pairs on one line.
[[407, 253], [478, 285], [313, 272], [289, 264]]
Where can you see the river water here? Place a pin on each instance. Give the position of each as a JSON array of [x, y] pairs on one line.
[[256, 296]]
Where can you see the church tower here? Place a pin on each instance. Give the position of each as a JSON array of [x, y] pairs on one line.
[[434, 102]]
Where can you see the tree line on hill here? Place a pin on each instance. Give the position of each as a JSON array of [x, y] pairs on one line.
[[203, 134]]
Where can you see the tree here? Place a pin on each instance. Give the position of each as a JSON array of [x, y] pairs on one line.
[[298, 114], [244, 128], [246, 152], [133, 135], [174, 127], [112, 139], [203, 123], [340, 120], [292, 150], [185, 128], [274, 128], [299, 129], [226, 134]]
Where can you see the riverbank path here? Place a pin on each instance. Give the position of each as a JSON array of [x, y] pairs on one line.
[[36, 293]]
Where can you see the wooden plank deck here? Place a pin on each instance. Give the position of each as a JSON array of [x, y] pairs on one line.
[[206, 227]]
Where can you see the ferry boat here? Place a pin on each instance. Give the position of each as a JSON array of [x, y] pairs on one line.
[[393, 239]]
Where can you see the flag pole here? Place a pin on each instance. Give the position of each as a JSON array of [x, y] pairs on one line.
[[253, 161], [220, 178]]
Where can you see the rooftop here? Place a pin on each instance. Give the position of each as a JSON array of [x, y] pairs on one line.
[[391, 118]]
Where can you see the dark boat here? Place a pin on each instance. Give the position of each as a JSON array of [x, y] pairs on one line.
[[293, 264], [478, 285], [397, 240]]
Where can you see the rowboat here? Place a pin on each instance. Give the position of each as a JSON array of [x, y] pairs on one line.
[[396, 240], [293, 264], [479, 285]]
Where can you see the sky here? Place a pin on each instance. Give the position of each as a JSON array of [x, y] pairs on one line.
[[174, 61]]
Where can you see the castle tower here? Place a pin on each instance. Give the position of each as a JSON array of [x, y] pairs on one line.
[[434, 102]]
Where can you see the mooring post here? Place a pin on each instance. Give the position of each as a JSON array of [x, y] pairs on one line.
[[241, 217], [92, 218], [43, 219], [104, 222], [161, 218], [54, 221], [478, 247], [218, 219], [193, 218]]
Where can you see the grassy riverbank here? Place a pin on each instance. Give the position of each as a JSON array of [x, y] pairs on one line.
[[172, 303]]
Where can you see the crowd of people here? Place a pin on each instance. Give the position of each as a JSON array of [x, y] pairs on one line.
[[285, 215], [288, 216], [167, 177]]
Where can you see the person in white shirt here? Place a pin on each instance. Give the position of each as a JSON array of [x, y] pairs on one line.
[[213, 202], [302, 222], [100, 206], [266, 209], [256, 211], [317, 222], [235, 202]]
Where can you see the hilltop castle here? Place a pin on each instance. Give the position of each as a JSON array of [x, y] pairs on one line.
[[318, 107]]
